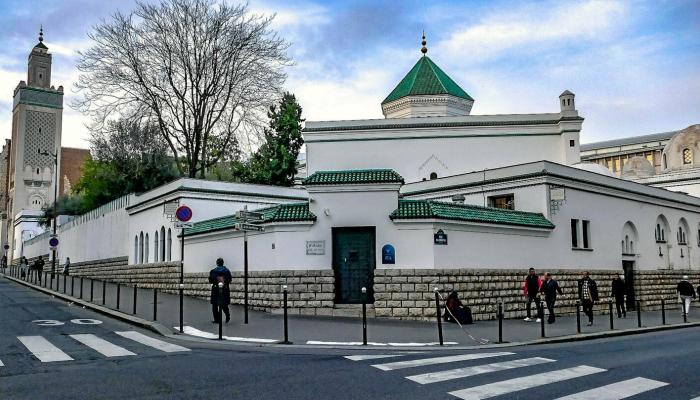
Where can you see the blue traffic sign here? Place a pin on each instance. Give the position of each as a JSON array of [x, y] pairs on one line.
[[183, 213]]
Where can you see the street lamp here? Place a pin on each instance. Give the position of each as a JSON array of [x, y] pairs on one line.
[[55, 201]]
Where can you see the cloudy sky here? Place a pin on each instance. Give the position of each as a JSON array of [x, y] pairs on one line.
[[634, 65]]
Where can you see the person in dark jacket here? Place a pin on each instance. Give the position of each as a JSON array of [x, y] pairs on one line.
[[588, 294], [618, 292], [455, 311], [38, 268], [223, 275], [685, 293], [550, 288], [531, 289]]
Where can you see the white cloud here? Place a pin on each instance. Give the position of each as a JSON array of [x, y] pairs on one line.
[[499, 33]]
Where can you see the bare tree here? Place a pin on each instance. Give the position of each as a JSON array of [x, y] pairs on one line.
[[203, 71]]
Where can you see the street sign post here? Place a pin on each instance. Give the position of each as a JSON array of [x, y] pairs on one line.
[[249, 216], [244, 217], [183, 215], [248, 227]]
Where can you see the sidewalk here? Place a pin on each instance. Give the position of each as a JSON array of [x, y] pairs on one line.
[[268, 328]]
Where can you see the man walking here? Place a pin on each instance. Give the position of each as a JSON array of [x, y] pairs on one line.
[[223, 275], [686, 293], [531, 289], [618, 292], [39, 267], [550, 288], [588, 294]]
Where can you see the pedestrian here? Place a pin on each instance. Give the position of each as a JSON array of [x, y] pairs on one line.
[[4, 262], [550, 288], [531, 289], [618, 292], [455, 311], [223, 275], [38, 267], [685, 294], [588, 294], [23, 267], [66, 267]]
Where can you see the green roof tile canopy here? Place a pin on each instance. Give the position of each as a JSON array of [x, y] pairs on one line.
[[426, 78], [426, 209], [354, 177], [291, 212]]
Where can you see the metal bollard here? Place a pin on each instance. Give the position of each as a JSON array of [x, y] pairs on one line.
[[218, 301], [500, 322], [610, 308], [437, 315], [104, 292], [286, 323], [685, 312], [155, 304], [136, 291], [639, 315], [364, 316], [578, 317], [181, 290], [81, 287], [663, 312], [119, 289], [92, 289], [541, 312]]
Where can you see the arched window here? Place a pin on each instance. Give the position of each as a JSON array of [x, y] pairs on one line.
[[627, 244], [136, 249], [170, 245], [145, 255], [433, 175], [156, 252], [631, 247], [162, 243], [663, 159], [141, 248], [622, 246], [687, 157]]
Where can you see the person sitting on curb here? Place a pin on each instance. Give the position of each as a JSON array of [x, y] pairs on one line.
[[455, 311], [223, 275], [531, 290], [685, 294]]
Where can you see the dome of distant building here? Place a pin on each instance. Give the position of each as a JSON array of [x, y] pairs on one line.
[[595, 168], [683, 150], [637, 167]]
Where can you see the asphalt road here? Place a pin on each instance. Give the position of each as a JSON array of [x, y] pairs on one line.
[[105, 364]]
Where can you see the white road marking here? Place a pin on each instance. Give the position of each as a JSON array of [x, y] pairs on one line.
[[407, 344], [102, 346], [525, 382], [196, 332], [372, 356], [457, 373], [152, 342], [43, 349], [618, 390], [437, 360], [1, 364]]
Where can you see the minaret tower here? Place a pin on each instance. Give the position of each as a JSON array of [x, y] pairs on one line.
[[36, 128]]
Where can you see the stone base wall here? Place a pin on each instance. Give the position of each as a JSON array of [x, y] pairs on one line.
[[408, 293]]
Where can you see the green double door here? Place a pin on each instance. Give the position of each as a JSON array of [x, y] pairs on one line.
[[353, 263]]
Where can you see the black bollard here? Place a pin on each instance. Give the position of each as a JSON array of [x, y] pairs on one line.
[[218, 301], [64, 283], [104, 292], [92, 289], [639, 315], [578, 317], [155, 304], [685, 312], [663, 312], [500, 322], [437, 315], [181, 289], [541, 313], [364, 316], [286, 323], [136, 291], [72, 285], [81, 287], [610, 308], [119, 289]]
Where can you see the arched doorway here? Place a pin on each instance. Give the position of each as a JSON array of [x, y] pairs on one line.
[[629, 245]]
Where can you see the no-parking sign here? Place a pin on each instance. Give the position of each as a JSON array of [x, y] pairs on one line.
[[183, 213], [53, 242]]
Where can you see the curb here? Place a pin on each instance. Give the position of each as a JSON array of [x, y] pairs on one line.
[[164, 331]]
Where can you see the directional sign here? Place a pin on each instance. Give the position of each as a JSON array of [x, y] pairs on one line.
[[183, 213], [249, 227], [180, 225], [246, 215]]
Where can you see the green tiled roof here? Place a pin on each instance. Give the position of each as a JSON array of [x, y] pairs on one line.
[[292, 212], [353, 176], [422, 209], [426, 78]]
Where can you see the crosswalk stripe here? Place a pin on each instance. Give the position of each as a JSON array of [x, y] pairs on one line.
[[618, 390], [102, 346], [152, 342], [522, 383], [43, 349], [436, 360], [457, 373], [371, 356]]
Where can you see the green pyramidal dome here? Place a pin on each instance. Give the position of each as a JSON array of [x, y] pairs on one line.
[[426, 78]]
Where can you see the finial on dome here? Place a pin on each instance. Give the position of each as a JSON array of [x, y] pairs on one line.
[[41, 33], [423, 49]]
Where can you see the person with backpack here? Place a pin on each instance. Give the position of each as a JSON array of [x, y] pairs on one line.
[[588, 294], [550, 288], [686, 294], [220, 274], [618, 292], [531, 289], [455, 311]]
